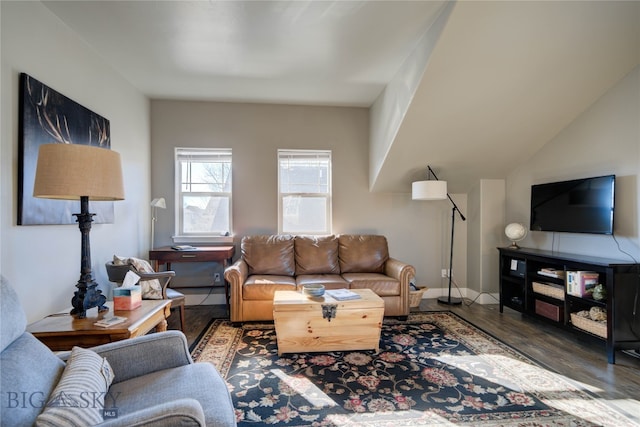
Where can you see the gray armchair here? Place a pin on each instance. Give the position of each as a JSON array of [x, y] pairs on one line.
[[156, 382]]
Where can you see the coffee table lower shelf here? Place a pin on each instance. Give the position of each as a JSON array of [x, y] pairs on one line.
[[301, 327]]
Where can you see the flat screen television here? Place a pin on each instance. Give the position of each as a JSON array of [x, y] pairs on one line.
[[577, 206]]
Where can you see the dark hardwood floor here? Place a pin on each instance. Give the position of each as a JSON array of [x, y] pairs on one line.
[[577, 358], [197, 318]]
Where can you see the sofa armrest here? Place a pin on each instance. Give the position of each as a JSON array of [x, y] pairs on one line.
[[182, 412], [130, 358], [236, 275], [237, 272], [400, 271]]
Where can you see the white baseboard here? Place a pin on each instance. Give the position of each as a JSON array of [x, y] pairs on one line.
[[431, 293], [204, 299], [470, 294]]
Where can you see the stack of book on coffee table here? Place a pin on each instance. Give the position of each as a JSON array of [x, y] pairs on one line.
[[342, 294]]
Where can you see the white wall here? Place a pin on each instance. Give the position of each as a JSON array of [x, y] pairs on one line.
[[388, 111], [605, 139], [43, 262], [486, 228], [418, 232]]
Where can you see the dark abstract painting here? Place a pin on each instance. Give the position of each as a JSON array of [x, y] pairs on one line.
[[47, 117]]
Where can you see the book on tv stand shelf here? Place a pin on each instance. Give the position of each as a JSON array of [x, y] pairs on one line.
[[551, 272], [342, 294]]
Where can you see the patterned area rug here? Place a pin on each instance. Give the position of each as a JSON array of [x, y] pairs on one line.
[[434, 369]]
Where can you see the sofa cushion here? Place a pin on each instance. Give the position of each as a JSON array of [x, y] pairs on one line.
[[27, 367], [262, 287], [78, 399], [316, 255], [14, 321], [26, 364], [362, 253], [382, 285], [199, 381], [269, 254]]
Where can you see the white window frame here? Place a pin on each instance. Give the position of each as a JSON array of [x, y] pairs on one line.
[[181, 154], [299, 154]]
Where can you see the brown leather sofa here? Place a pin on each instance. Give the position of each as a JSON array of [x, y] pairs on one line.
[[285, 262]]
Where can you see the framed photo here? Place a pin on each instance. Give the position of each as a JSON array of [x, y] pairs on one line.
[[46, 117]]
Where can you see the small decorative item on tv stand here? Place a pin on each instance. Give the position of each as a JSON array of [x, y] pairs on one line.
[[599, 292], [515, 232]]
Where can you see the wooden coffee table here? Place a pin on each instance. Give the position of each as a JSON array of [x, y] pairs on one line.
[[301, 325], [61, 331]]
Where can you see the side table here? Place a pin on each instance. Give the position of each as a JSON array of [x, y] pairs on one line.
[[61, 331], [219, 254]]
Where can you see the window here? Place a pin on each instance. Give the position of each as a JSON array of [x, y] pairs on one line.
[[203, 193], [304, 191]]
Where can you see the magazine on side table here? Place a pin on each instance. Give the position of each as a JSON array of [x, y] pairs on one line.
[[110, 321]]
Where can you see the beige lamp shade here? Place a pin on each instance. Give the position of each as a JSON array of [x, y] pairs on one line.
[[429, 190], [70, 171]]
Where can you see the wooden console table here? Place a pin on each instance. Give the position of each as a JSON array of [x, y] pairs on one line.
[[61, 331], [219, 254]]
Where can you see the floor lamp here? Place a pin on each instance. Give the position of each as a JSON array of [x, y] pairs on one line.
[[437, 190], [80, 172]]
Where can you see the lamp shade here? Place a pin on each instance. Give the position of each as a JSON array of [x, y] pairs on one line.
[[159, 203], [429, 190], [71, 171]]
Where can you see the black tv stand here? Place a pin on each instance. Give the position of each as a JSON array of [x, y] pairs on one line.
[[523, 269]]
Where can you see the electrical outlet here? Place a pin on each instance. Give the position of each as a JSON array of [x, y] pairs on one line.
[[445, 272], [216, 277]]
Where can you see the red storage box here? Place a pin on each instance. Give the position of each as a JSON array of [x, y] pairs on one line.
[[127, 298], [550, 311]]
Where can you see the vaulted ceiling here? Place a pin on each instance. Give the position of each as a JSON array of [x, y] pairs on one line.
[[502, 79]]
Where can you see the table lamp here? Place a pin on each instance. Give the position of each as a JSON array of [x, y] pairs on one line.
[[80, 172]]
